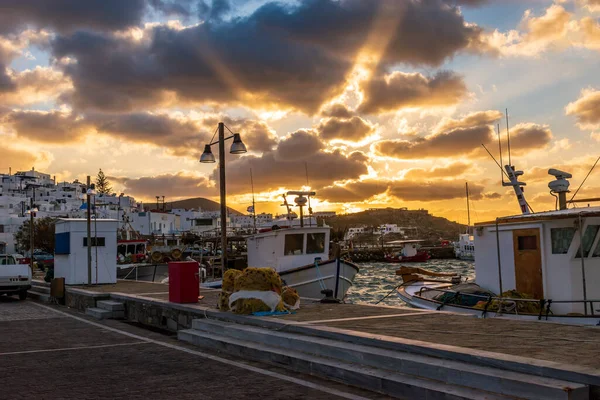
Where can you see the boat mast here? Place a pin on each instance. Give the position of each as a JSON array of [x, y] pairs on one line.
[[253, 202], [468, 210]]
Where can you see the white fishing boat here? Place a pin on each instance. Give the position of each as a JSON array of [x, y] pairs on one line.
[[464, 248], [301, 256], [535, 266]]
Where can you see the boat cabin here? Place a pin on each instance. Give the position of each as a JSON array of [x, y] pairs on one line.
[[283, 249], [541, 254]]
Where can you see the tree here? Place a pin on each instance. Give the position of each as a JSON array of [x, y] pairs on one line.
[[102, 183], [43, 234]]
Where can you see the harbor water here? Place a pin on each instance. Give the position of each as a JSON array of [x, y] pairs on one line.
[[375, 280]]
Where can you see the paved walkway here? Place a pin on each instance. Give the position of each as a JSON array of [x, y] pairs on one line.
[[50, 352]]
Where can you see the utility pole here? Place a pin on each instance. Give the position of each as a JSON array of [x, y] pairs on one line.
[[89, 232], [164, 208], [31, 231]]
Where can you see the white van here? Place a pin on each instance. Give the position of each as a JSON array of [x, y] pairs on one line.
[[14, 278]]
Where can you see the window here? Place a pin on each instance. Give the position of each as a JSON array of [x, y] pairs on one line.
[[203, 221], [527, 242], [588, 240], [62, 243], [315, 243], [96, 242], [561, 239], [294, 244], [1, 228]]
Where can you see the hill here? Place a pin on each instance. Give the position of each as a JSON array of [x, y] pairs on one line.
[[428, 227], [202, 203]]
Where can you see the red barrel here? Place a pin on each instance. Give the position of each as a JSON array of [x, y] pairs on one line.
[[184, 283]]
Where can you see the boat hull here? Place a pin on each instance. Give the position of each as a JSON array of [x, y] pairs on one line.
[[419, 257], [309, 280], [408, 294]]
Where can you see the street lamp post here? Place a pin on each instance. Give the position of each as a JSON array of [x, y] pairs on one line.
[[237, 147], [32, 212]]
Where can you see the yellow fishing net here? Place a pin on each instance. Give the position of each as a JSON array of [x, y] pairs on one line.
[[290, 297], [227, 288], [510, 306], [258, 279]]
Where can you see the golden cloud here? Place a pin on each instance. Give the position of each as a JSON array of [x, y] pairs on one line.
[[586, 109], [451, 170]]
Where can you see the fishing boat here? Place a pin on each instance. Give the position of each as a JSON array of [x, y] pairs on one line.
[[301, 256], [533, 266], [409, 252], [464, 248]]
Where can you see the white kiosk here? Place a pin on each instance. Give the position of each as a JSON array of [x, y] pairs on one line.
[[70, 251]]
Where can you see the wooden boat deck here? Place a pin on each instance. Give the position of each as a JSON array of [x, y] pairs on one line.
[[567, 344]]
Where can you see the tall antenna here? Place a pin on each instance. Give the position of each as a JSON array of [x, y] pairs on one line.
[[253, 203], [500, 150], [508, 136], [308, 185]]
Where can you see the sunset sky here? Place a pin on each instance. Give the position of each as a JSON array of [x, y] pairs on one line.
[[386, 101]]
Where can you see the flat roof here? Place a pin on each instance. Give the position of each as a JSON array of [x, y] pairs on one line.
[[85, 220], [546, 216]]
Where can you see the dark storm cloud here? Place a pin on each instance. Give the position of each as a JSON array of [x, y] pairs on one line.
[[281, 55], [353, 129], [69, 15], [400, 90]]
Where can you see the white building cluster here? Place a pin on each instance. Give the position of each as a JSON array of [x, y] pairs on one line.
[[19, 191]]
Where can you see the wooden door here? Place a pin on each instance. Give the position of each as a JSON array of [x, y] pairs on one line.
[[528, 262]]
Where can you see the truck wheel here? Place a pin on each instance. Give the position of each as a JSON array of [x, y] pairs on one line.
[[22, 294]]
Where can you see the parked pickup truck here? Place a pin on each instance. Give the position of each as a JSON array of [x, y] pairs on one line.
[[15, 278]]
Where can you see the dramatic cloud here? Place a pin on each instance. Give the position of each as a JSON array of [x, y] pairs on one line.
[[338, 110], [47, 126], [448, 171], [477, 118], [539, 34], [401, 90], [464, 137], [353, 191], [176, 185], [298, 146], [245, 60], [492, 196], [460, 141], [21, 160], [525, 137], [433, 191], [353, 129], [33, 86], [586, 109], [69, 15], [271, 172]]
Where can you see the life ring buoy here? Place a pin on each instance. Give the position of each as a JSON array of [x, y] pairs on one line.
[[157, 256], [176, 254]]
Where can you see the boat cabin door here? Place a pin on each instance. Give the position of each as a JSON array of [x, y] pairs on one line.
[[528, 262]]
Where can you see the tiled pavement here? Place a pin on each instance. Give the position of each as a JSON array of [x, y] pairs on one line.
[[46, 355]]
